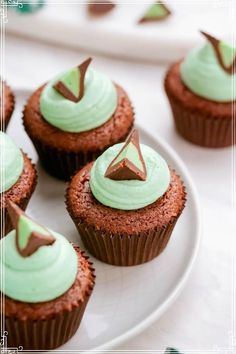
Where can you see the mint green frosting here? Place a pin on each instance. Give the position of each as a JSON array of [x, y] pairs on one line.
[[12, 162], [202, 74], [43, 276], [96, 106], [129, 194]]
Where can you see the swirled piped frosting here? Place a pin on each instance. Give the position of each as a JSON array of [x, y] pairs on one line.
[[97, 105], [12, 162], [129, 194], [202, 73], [44, 275]]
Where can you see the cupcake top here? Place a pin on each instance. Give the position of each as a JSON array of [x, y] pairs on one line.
[[12, 162], [129, 176], [209, 71], [78, 100], [38, 264]]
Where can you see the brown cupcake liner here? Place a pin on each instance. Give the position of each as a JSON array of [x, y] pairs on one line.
[[46, 334], [22, 203], [62, 164], [201, 129], [125, 250]]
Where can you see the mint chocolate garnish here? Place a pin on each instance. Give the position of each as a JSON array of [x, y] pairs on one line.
[[226, 54], [71, 85], [29, 235], [129, 163], [98, 8], [171, 351], [157, 12]]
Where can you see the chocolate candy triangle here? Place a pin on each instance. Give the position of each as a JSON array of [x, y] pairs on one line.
[[71, 85], [171, 351], [157, 12], [225, 53], [129, 163], [29, 234], [98, 8]]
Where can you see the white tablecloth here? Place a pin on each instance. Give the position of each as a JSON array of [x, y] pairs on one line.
[[201, 318]]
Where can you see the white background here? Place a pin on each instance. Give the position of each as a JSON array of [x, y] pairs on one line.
[[201, 318]]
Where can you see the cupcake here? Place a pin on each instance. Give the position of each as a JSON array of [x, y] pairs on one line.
[[8, 103], [18, 179], [201, 95], [47, 284], [125, 204], [75, 117]]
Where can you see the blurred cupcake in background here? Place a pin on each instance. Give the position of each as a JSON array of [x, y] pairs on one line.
[[8, 101], [100, 8], [201, 91], [47, 284], [18, 179], [75, 117], [29, 7], [157, 12]]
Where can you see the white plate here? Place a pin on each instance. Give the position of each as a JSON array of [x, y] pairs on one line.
[[118, 34], [126, 300]]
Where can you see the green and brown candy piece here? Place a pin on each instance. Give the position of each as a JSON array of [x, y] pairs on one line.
[[129, 163], [99, 8], [156, 12], [30, 236], [226, 54], [71, 85]]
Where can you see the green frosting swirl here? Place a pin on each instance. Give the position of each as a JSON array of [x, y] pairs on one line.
[[96, 106], [203, 75], [130, 194], [43, 276], [12, 162]]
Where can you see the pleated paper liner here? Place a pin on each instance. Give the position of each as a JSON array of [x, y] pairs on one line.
[[63, 164], [200, 128], [49, 333], [123, 250], [44, 335]]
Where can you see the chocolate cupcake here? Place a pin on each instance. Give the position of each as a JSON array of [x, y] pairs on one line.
[[201, 95], [75, 117], [126, 204], [47, 284], [8, 102], [18, 179]]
